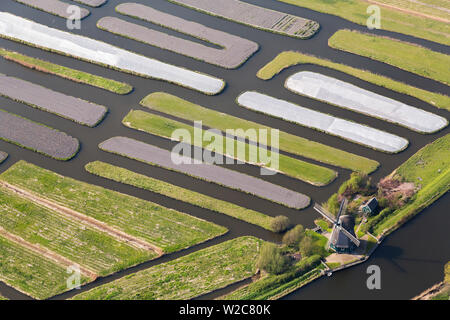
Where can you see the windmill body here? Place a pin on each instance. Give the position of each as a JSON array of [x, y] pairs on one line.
[[343, 238]]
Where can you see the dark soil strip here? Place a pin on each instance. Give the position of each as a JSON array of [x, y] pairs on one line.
[[68, 107], [255, 16], [54, 7], [37, 137], [235, 50], [150, 154]]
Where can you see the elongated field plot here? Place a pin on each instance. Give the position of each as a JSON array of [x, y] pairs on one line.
[[155, 156], [164, 127], [72, 108], [3, 156], [188, 277], [346, 95], [92, 3], [55, 7], [166, 229], [184, 109], [233, 52], [68, 237], [255, 16], [36, 137], [345, 129], [38, 35]]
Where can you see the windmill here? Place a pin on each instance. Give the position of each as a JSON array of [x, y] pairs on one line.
[[343, 238]]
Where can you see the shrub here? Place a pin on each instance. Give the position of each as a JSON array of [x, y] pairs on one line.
[[280, 224], [333, 204], [272, 260], [293, 237], [306, 246]]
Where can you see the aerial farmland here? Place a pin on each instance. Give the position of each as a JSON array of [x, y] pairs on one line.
[[191, 150]]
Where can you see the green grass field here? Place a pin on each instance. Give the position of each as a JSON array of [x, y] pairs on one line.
[[180, 108], [391, 20], [403, 55], [167, 229], [275, 286], [31, 273], [185, 278], [164, 127], [288, 59], [69, 238], [67, 73], [122, 175], [429, 169]]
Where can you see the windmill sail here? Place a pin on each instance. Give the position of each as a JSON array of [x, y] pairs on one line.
[[325, 214], [350, 236], [342, 208]]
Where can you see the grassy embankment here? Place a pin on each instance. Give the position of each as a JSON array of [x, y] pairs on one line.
[[164, 127], [429, 169], [288, 59], [122, 175], [165, 228], [406, 56], [95, 250], [391, 19], [67, 73], [187, 277], [180, 108], [30, 272], [445, 293]]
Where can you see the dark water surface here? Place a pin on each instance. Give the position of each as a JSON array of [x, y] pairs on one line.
[[411, 260]]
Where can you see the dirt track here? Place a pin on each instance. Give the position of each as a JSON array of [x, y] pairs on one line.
[[93, 223]]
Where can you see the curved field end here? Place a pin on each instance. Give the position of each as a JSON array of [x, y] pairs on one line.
[[159, 157], [67, 73], [183, 109], [287, 59], [75, 109], [153, 224], [234, 52], [26, 31], [198, 273], [348, 130], [295, 168], [400, 54], [37, 137], [55, 7], [3, 156], [122, 175], [346, 95], [92, 3], [255, 16]]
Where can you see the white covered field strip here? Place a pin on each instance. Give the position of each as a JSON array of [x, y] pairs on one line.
[[346, 95], [23, 30], [342, 128]]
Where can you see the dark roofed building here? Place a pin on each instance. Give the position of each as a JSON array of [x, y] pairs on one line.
[[339, 242], [370, 207]]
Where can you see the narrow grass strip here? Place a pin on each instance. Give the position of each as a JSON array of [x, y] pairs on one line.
[[137, 180], [67, 73], [180, 108], [187, 277], [289, 59], [404, 55], [164, 127]]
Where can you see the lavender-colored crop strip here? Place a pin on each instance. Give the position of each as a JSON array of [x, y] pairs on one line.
[[3, 156], [95, 51], [55, 7], [72, 108], [255, 16], [235, 50], [92, 3], [39, 138], [153, 155]]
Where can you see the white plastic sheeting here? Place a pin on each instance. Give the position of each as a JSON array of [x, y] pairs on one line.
[[346, 95], [345, 129]]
